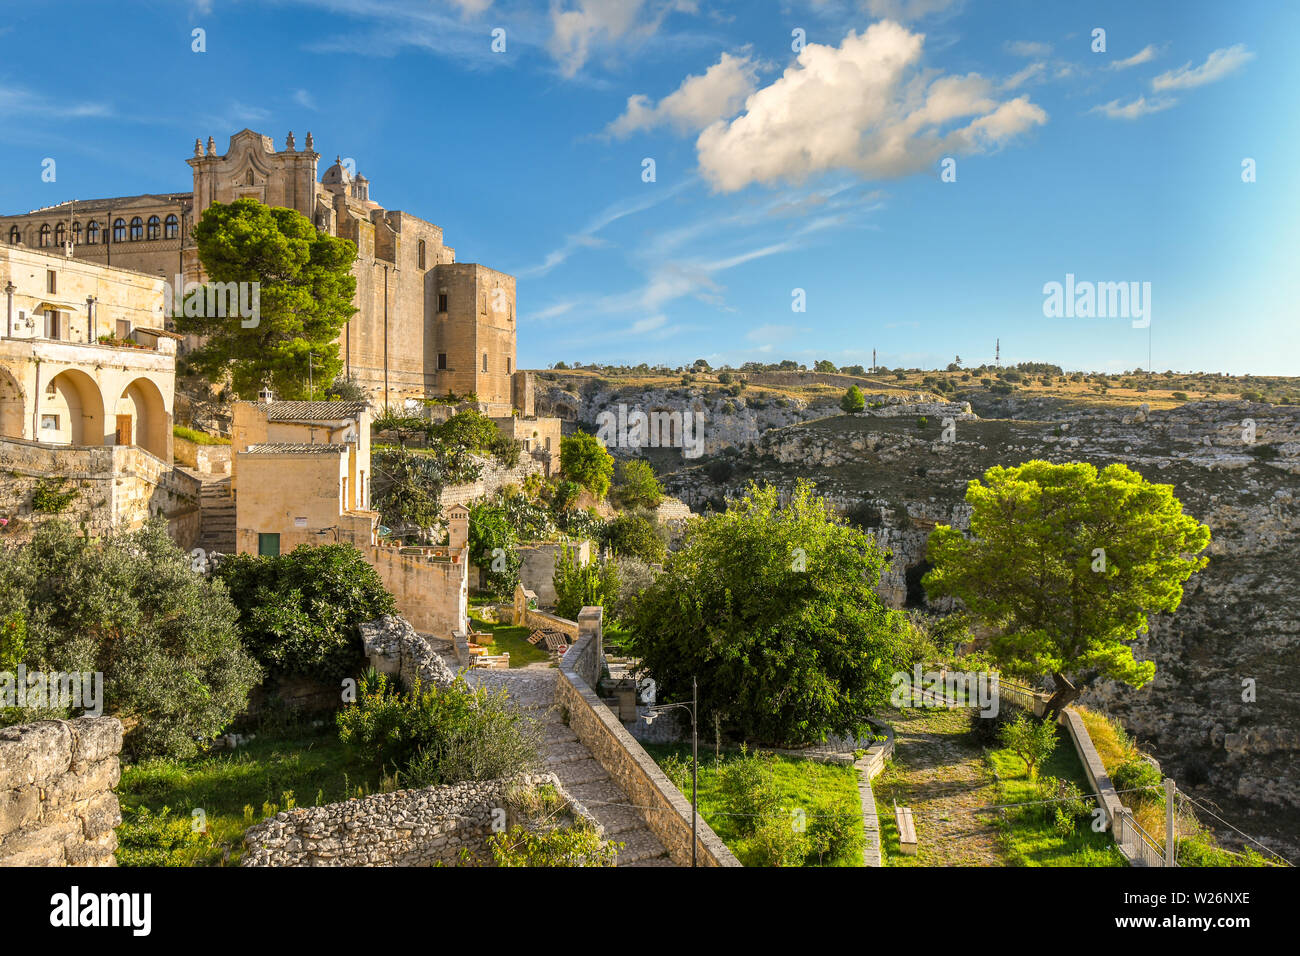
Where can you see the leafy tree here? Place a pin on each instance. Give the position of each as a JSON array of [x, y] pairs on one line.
[[639, 486], [494, 547], [579, 585], [306, 290], [299, 612], [1067, 563], [1030, 739], [406, 486], [825, 365], [584, 459], [129, 606], [774, 610], [853, 401], [636, 535]]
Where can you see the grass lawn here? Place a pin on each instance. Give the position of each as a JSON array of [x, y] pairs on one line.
[[816, 788], [507, 639], [302, 767], [1030, 837]]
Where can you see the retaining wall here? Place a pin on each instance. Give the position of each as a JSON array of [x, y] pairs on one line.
[[57, 805]]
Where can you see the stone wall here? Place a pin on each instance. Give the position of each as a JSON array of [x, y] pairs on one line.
[[424, 827], [205, 459], [666, 812], [537, 567], [57, 806], [393, 647], [118, 487], [490, 480], [431, 593]]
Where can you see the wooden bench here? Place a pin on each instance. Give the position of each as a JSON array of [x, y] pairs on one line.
[[906, 829]]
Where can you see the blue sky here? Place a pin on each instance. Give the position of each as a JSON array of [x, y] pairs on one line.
[[775, 170]]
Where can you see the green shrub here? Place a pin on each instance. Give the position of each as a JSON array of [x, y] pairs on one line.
[[1031, 739], [639, 486], [833, 835], [594, 584], [299, 612], [145, 838], [198, 437], [48, 496], [777, 842], [638, 536], [558, 847], [1138, 773], [748, 789], [436, 736], [584, 459]]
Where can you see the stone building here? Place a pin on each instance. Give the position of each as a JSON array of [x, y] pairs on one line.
[[427, 324], [87, 385]]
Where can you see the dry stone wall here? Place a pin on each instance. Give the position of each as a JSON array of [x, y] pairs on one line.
[[57, 805], [424, 827], [393, 647]]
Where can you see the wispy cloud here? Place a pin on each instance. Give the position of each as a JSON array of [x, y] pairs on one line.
[[1216, 66], [1144, 55], [1134, 109], [20, 101], [1028, 48]]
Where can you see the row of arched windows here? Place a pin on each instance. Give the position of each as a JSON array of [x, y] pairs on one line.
[[138, 229]]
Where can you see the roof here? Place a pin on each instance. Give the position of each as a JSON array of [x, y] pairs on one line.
[[312, 411], [295, 448]]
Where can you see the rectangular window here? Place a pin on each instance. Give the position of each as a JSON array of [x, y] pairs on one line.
[[123, 328], [49, 423], [51, 281], [507, 366], [51, 325], [442, 302], [485, 361], [442, 361], [268, 545]]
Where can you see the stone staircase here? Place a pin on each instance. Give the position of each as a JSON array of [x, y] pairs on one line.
[[533, 690], [217, 525]]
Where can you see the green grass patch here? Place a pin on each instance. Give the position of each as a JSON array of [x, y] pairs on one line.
[[302, 767], [1030, 836], [815, 788], [508, 639], [198, 437]]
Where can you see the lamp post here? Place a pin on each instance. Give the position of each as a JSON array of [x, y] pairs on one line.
[[695, 757]]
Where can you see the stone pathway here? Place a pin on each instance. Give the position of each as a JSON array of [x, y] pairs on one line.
[[940, 773], [533, 690]]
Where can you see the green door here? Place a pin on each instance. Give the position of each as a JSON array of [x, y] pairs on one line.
[[268, 545]]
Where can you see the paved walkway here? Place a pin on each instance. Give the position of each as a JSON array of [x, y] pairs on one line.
[[533, 690], [939, 772]]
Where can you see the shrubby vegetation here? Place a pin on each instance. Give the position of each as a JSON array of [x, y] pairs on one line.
[[579, 585], [774, 610], [435, 736], [584, 460], [299, 612], [129, 606]]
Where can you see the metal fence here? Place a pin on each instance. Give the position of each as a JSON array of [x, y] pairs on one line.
[[1140, 846]]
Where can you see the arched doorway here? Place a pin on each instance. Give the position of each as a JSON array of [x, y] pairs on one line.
[[12, 412], [71, 410], [141, 418]]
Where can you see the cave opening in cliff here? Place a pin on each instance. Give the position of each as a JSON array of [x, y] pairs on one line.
[[915, 590]]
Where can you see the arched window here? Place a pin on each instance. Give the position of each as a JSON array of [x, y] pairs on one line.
[[171, 227], [60, 234], [119, 230], [14, 236], [92, 232], [76, 233], [137, 229], [421, 253], [154, 227], [45, 235]]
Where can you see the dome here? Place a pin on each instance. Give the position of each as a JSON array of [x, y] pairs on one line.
[[337, 174]]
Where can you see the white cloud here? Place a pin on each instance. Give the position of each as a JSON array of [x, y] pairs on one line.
[[304, 99], [649, 324], [1144, 55], [1028, 48], [588, 22], [16, 100], [700, 100], [1131, 111], [865, 106], [1034, 70], [472, 8], [1216, 66]]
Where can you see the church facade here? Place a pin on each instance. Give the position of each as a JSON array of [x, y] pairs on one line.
[[426, 324]]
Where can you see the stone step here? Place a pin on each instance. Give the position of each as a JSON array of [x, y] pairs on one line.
[[616, 819], [566, 752], [597, 794], [664, 860], [578, 772], [638, 844], [556, 732]]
